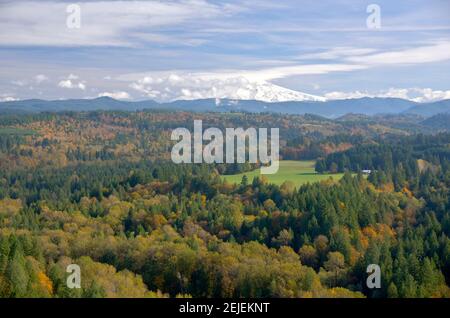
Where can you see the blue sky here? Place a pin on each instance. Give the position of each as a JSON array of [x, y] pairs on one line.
[[187, 49]]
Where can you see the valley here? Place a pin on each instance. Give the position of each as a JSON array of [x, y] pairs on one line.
[[99, 189], [292, 172]]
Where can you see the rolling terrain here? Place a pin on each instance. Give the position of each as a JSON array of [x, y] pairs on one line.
[[327, 108]]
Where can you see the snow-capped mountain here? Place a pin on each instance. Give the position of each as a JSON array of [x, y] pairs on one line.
[[165, 88], [271, 93], [261, 91]]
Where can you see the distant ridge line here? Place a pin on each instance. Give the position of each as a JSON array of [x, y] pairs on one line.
[[330, 108]]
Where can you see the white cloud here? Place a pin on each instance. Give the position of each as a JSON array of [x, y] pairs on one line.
[[390, 93], [7, 98], [189, 86], [40, 78], [19, 82], [346, 95], [338, 52], [430, 95], [295, 70], [103, 23], [368, 57], [71, 82], [66, 84], [115, 95], [72, 77], [424, 54], [420, 95], [172, 85]]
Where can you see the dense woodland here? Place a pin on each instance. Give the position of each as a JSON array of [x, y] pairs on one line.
[[98, 189]]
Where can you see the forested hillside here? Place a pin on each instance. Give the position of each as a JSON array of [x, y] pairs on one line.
[[98, 189]]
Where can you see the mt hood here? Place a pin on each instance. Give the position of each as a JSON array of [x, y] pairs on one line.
[[246, 90], [271, 93]]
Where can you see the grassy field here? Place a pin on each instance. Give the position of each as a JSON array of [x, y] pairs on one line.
[[299, 172], [16, 131]]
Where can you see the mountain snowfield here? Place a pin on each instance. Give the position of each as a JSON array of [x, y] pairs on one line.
[[239, 88], [271, 93]]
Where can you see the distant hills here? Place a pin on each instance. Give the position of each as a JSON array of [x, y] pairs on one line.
[[431, 109], [329, 109], [101, 103], [438, 122]]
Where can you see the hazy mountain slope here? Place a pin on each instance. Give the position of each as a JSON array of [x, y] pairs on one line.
[[101, 103], [330, 109], [438, 122], [431, 109]]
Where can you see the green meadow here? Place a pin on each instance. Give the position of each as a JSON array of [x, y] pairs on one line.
[[16, 131], [299, 172]]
